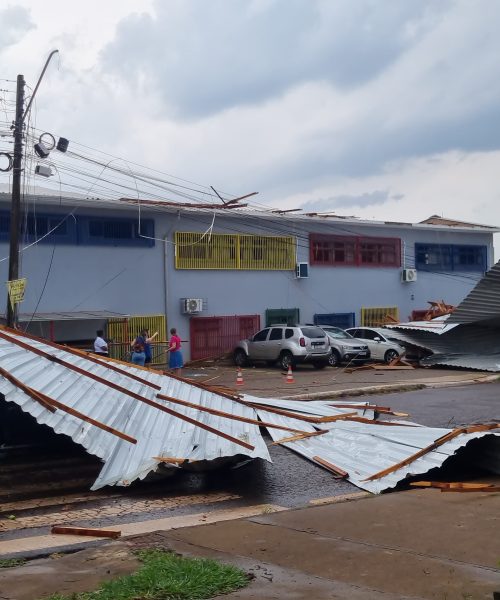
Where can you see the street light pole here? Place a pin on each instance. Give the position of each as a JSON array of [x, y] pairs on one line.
[[17, 167]]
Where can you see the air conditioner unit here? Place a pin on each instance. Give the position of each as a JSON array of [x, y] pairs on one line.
[[302, 270], [409, 275], [192, 305]]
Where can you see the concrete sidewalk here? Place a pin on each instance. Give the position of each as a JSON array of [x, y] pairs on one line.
[[415, 544]]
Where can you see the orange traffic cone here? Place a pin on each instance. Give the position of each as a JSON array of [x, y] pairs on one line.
[[239, 378], [289, 375]]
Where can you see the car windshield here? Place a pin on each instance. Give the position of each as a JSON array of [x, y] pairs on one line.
[[312, 332], [338, 334]]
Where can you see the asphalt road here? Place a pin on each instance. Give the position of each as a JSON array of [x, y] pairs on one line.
[[447, 407]]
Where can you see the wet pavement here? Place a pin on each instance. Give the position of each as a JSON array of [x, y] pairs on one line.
[[38, 490]]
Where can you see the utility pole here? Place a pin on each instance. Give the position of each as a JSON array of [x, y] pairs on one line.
[[17, 168], [15, 210]]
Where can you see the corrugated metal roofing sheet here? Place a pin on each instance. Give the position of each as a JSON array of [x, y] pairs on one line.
[[111, 397], [483, 302], [363, 450], [479, 362], [146, 415]]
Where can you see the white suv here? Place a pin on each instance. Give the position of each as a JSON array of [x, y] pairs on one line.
[[286, 345]]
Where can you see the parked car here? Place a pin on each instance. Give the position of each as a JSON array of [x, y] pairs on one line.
[[381, 345], [344, 347], [286, 345]]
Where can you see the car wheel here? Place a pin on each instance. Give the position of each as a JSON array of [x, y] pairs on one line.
[[319, 365], [390, 355], [334, 358], [286, 360], [240, 358]]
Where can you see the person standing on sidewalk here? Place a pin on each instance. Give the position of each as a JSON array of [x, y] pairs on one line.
[[175, 362], [148, 351], [141, 348], [100, 345]]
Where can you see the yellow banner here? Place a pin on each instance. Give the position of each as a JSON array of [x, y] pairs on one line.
[[16, 289]]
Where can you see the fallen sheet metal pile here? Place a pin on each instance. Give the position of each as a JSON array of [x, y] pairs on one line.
[[468, 337], [138, 420]]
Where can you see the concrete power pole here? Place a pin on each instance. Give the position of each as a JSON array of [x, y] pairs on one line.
[[15, 211], [17, 168]]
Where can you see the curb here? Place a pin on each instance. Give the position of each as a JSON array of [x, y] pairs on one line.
[[389, 388]]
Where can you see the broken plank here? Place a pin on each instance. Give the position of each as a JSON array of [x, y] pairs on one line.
[[457, 486], [85, 531], [337, 471], [33, 394], [226, 415], [300, 436], [299, 416]]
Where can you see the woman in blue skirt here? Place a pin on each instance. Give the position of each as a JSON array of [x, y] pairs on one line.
[[175, 358]]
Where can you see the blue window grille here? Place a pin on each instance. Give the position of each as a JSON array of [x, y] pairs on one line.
[[450, 257], [45, 228], [342, 320], [113, 231], [81, 230]]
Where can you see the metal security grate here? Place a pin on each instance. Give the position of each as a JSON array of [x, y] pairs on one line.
[[229, 251], [212, 337], [121, 332], [374, 317]]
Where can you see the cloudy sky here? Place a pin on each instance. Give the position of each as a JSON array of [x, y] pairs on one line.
[[383, 109]]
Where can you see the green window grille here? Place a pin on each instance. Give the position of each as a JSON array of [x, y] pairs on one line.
[[282, 316]]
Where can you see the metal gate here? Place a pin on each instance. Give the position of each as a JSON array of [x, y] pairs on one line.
[[121, 332], [212, 337]]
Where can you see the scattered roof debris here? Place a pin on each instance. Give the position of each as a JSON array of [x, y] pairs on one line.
[[465, 336], [457, 486], [138, 420], [85, 531]]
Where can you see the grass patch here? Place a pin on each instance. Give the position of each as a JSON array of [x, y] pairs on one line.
[[7, 563], [167, 576]]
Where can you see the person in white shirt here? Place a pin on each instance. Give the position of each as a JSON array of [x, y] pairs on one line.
[[100, 346]]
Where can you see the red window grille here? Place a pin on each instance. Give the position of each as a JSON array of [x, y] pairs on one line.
[[331, 250], [212, 337]]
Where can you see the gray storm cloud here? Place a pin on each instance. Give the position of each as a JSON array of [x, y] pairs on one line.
[[205, 57]]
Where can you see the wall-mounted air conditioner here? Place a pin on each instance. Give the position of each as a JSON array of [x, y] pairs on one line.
[[302, 270], [409, 275], [191, 305]]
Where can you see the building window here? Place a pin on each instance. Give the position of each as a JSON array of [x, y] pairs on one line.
[[111, 231], [229, 251], [450, 257], [355, 251], [44, 228], [81, 230]]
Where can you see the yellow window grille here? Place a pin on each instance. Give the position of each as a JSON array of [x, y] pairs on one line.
[[230, 251], [122, 331], [377, 316]]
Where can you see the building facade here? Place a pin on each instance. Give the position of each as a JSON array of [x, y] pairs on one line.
[[219, 275]]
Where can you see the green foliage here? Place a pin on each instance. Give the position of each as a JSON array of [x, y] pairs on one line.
[[6, 563], [167, 576]]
